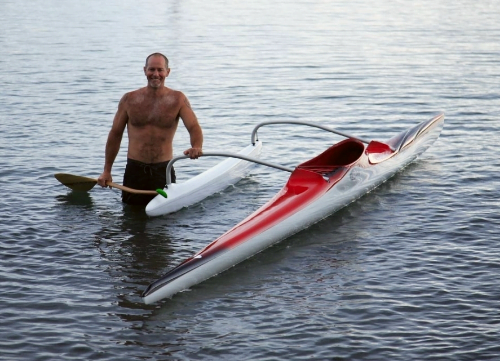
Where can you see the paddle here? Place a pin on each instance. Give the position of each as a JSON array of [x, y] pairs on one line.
[[84, 184]]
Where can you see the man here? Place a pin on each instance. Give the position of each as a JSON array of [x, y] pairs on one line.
[[151, 115]]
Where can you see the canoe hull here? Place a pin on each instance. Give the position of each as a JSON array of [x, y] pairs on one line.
[[306, 199]]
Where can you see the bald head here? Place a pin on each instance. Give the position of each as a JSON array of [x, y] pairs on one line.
[[157, 54]]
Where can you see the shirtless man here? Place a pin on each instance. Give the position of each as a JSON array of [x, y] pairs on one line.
[[151, 115]]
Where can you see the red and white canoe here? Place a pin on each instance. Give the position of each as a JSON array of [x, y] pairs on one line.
[[316, 189]]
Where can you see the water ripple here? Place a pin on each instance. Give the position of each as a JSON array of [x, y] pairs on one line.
[[408, 272]]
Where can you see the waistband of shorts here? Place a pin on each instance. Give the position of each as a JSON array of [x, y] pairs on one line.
[[142, 164]]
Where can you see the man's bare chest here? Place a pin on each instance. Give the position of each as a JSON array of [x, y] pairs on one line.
[[159, 113]]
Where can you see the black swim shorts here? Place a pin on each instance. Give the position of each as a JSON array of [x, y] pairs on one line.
[[144, 176]]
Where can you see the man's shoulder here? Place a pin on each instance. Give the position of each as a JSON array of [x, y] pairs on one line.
[[133, 95], [136, 92], [173, 92], [175, 95]]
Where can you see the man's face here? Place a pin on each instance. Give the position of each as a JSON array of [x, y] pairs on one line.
[[156, 71]]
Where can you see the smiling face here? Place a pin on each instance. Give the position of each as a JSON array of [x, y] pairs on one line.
[[156, 70]]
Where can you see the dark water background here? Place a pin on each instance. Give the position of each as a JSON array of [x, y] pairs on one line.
[[408, 272]]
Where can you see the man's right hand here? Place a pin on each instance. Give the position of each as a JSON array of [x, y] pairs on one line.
[[104, 179]]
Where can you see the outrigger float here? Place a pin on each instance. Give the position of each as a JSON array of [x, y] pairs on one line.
[[176, 196], [316, 189]]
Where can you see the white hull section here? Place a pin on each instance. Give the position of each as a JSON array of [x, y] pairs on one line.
[[213, 180]]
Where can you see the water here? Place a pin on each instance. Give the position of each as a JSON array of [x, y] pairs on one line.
[[408, 272]]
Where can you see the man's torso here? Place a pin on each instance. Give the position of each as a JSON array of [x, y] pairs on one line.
[[152, 122]]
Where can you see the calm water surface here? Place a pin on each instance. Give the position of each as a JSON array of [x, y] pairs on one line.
[[408, 272]]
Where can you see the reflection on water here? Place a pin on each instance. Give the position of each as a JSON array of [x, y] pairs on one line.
[[75, 198], [133, 247]]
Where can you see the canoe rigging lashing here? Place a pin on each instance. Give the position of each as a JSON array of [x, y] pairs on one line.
[[216, 179], [227, 155]]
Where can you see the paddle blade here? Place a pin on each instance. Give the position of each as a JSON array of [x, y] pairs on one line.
[[76, 182]]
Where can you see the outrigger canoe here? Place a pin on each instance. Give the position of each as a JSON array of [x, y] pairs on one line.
[[316, 189]]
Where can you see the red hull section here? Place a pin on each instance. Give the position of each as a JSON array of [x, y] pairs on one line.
[[309, 181]]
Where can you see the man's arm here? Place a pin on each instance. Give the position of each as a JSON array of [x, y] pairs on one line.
[[191, 123], [113, 143]]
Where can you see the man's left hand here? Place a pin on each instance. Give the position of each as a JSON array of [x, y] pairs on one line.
[[193, 153]]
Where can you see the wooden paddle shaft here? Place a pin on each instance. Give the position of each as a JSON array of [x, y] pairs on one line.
[[130, 190]]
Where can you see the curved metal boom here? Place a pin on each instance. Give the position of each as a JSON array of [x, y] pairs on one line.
[[254, 132], [223, 154]]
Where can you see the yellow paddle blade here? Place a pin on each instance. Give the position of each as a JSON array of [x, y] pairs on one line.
[[76, 182]]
